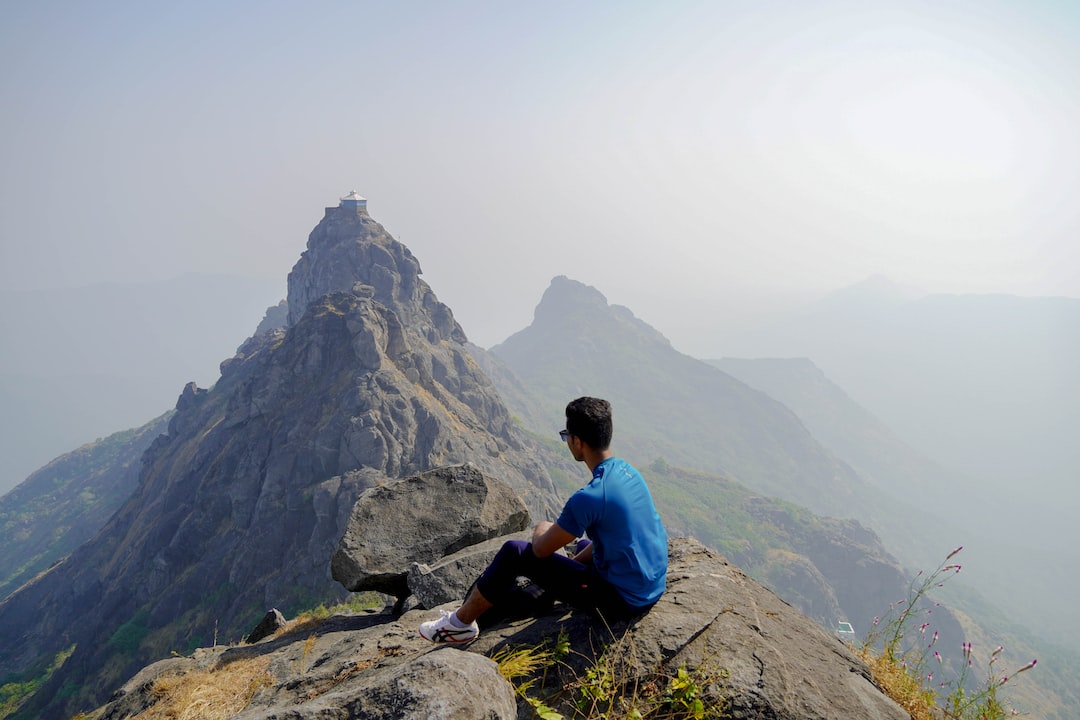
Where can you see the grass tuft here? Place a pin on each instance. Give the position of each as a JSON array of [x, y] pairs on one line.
[[607, 687], [900, 666], [215, 694]]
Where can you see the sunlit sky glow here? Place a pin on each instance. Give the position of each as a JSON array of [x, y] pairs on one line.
[[673, 155]]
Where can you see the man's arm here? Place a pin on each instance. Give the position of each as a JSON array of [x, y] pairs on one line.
[[549, 537], [585, 556]]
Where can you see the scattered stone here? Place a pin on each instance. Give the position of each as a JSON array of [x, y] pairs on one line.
[[272, 621]]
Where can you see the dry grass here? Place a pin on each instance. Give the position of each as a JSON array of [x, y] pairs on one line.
[[214, 694], [899, 685]]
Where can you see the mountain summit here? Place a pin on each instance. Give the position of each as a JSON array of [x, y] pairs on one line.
[[348, 251], [241, 503]]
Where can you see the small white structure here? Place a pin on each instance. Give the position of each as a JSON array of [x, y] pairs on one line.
[[845, 631], [354, 200]]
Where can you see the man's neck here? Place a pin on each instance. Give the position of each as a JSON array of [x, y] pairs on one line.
[[595, 457]]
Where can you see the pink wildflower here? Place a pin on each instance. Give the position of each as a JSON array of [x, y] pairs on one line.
[[937, 656], [950, 555], [994, 655]]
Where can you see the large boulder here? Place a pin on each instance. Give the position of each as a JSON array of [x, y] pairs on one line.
[[421, 519], [750, 651]]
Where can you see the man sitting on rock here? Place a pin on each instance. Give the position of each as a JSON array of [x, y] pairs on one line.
[[623, 570]]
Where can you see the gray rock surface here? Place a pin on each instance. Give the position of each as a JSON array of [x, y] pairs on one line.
[[451, 685], [752, 653], [347, 249], [421, 519], [450, 578]]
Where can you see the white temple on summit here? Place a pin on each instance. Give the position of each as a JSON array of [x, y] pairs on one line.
[[354, 200]]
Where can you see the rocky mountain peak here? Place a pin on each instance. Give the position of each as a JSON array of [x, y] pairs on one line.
[[349, 251], [565, 296]]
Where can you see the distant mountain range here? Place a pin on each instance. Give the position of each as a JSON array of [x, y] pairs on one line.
[[982, 386]]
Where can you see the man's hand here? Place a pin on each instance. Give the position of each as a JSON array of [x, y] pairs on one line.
[[549, 537]]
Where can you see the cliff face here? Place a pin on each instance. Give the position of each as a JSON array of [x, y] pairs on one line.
[[239, 506]]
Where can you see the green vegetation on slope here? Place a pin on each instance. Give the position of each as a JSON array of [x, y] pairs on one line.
[[66, 502], [15, 689]]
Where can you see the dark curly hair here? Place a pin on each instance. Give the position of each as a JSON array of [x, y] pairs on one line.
[[589, 419]]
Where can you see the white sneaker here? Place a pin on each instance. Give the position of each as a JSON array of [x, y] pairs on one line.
[[444, 630]]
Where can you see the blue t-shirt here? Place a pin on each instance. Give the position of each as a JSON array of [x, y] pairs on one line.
[[616, 511]]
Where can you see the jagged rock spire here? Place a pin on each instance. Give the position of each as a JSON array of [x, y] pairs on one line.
[[351, 252]]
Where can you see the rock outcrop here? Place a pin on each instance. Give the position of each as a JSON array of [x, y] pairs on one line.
[[750, 652], [419, 520], [349, 249]]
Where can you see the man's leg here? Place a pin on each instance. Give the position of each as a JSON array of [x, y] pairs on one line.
[[561, 577], [475, 605], [495, 585]]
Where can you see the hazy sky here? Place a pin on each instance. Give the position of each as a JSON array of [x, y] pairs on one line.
[[666, 153]]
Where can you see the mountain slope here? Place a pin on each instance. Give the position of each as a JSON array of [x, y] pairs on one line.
[[984, 384], [986, 387], [240, 505], [668, 404], [65, 503], [912, 484]]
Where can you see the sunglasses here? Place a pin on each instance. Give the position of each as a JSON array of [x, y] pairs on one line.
[[563, 434]]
